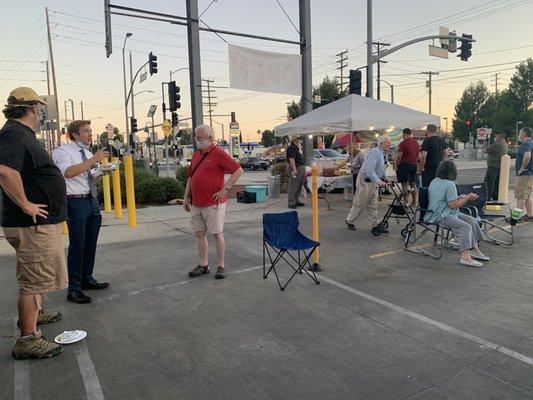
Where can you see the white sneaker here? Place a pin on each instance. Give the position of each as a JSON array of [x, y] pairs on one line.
[[473, 263], [478, 255]]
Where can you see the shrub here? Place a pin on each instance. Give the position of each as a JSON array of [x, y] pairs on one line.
[[173, 189], [150, 191], [281, 169], [182, 174]]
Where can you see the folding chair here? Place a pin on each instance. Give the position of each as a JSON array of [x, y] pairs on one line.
[[280, 236], [488, 222], [442, 237]]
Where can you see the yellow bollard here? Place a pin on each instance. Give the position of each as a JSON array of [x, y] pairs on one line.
[[503, 188], [314, 202], [117, 199], [106, 189], [130, 191], [64, 228]]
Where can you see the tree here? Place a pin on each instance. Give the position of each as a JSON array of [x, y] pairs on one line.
[[185, 136], [267, 138], [521, 87], [103, 137], [471, 107], [294, 110], [328, 90]]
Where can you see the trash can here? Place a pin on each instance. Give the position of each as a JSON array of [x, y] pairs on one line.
[[274, 184]]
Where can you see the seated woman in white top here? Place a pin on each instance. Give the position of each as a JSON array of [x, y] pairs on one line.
[[444, 205]]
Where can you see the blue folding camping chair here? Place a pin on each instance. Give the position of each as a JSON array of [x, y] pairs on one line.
[[280, 237]]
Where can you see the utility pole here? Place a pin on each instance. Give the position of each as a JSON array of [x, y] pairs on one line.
[[81, 108], [307, 75], [48, 78], [210, 105], [369, 58], [72, 108], [57, 136], [195, 72], [428, 84], [66, 116], [379, 45], [342, 61]]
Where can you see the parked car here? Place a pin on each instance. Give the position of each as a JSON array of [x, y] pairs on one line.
[[329, 154], [253, 163]]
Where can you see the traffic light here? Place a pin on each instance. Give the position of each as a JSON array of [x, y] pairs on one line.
[[174, 119], [133, 123], [173, 96], [355, 81], [152, 63], [466, 47]]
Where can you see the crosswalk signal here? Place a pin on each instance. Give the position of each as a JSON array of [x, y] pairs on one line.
[[466, 47], [173, 96], [133, 123], [174, 120], [152, 63], [355, 82]]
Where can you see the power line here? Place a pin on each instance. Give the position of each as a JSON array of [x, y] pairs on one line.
[[207, 8], [287, 15], [464, 69]]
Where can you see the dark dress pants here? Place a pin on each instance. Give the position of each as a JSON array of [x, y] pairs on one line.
[[492, 178], [428, 175], [84, 221]]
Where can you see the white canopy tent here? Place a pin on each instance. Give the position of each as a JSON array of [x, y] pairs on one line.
[[355, 113]]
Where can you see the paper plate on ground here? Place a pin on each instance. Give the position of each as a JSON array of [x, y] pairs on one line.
[[69, 337]]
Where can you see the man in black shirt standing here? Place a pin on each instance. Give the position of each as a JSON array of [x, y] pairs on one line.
[[296, 172], [34, 206], [433, 151]]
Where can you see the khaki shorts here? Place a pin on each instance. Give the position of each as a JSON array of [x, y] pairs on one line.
[[210, 219], [523, 187], [41, 264]]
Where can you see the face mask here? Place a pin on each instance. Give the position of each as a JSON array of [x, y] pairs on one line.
[[202, 144]]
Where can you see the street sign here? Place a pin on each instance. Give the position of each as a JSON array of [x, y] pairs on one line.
[[143, 76], [436, 51], [483, 133], [151, 112], [166, 127], [444, 43]]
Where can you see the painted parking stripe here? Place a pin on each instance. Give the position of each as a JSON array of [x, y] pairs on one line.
[[93, 389], [432, 322], [21, 381]]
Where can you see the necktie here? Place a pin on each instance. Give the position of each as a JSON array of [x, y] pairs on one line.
[[89, 176]]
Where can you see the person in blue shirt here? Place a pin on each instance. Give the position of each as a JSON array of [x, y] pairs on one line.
[[371, 177], [524, 174], [444, 205]]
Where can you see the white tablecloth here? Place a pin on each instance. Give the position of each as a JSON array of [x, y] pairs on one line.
[[330, 183]]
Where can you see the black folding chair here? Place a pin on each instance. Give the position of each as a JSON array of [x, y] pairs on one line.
[[489, 223], [442, 237], [280, 237]]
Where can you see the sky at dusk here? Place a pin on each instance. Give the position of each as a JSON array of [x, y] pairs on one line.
[[502, 29]]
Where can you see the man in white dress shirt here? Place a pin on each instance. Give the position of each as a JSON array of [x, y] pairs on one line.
[[76, 162]]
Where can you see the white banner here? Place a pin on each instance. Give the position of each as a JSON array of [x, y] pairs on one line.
[[264, 71]]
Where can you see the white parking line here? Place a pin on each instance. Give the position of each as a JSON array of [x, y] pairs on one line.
[[88, 373], [21, 381], [432, 322]]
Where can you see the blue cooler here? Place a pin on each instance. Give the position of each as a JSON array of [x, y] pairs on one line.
[[260, 192]]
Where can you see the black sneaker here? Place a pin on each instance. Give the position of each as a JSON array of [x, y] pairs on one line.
[[350, 226], [220, 273], [199, 270]]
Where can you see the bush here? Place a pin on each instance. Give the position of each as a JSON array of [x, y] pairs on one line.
[[182, 174], [173, 189], [281, 169]]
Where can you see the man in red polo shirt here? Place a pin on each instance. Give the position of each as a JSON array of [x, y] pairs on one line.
[[406, 165], [205, 196]]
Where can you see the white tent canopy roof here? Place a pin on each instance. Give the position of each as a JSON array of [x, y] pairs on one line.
[[355, 113]]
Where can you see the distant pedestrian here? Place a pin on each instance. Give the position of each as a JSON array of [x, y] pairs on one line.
[[296, 172], [495, 152], [356, 160], [407, 165], [76, 162], [371, 177], [433, 151], [34, 207], [205, 196], [524, 174]]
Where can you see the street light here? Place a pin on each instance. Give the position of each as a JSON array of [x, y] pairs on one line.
[[516, 144], [222, 125], [391, 90], [72, 107], [179, 69], [90, 119], [129, 34], [143, 91]]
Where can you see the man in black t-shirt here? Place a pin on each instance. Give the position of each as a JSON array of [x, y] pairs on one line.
[[296, 172], [433, 151], [34, 206]]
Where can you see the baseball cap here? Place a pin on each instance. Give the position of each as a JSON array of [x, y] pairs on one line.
[[23, 95]]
